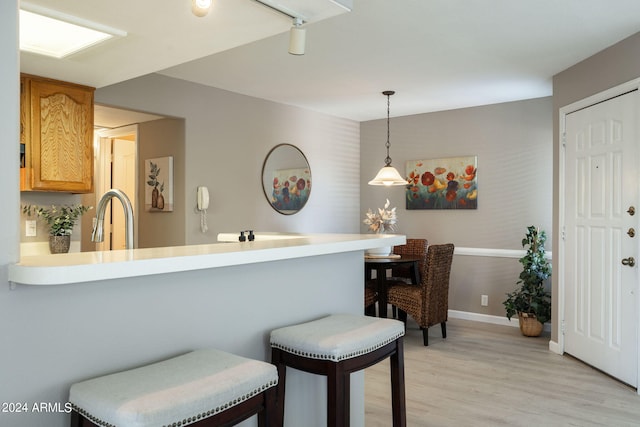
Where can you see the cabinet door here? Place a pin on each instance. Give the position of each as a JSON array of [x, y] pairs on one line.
[[25, 136], [61, 137]]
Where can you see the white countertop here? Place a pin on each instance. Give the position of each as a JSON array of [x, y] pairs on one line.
[[63, 269]]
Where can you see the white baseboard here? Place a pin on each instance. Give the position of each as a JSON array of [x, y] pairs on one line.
[[488, 318], [554, 347], [499, 320], [479, 317]]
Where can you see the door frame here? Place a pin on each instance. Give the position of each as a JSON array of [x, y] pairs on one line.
[[563, 112], [100, 187]]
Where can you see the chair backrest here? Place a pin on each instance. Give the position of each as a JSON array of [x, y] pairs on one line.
[[413, 247], [435, 283]]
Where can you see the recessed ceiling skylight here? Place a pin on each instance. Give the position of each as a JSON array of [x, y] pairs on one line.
[[49, 36]]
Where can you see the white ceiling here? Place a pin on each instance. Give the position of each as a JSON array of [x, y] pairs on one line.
[[436, 54]]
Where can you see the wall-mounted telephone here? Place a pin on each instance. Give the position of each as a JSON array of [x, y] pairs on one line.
[[202, 204], [203, 199]]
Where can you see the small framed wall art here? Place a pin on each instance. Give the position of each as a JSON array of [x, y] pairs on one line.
[[158, 194], [448, 183]]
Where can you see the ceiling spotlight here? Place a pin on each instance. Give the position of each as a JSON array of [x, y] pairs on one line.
[[200, 8], [297, 37]]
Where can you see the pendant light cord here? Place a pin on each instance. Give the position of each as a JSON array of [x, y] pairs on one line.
[[387, 160]]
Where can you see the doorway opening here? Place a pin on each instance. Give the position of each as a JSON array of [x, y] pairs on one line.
[[115, 166], [116, 159]]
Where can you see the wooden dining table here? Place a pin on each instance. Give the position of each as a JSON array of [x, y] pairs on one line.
[[381, 265]]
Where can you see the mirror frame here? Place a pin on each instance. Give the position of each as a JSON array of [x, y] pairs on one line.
[[264, 187]]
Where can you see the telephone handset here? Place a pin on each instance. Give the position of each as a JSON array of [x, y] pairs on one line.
[[202, 204], [203, 198]]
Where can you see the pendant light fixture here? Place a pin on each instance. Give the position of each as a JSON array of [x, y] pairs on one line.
[[200, 8], [388, 175]]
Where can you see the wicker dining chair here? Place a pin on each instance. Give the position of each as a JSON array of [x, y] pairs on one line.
[[413, 248], [428, 303], [370, 299]]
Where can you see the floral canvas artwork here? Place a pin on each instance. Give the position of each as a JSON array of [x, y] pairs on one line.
[[290, 189], [158, 195], [450, 183]]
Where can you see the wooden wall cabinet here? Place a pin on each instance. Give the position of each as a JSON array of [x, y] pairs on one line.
[[56, 128]]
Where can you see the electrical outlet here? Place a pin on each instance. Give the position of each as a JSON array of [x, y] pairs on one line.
[[484, 300], [30, 228]]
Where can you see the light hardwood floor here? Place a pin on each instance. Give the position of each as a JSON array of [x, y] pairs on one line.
[[490, 375]]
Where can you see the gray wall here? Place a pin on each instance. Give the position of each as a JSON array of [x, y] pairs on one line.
[[227, 138], [611, 67], [513, 143], [161, 138], [9, 162]]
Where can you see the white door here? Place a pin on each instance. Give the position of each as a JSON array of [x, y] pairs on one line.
[[122, 178], [116, 168], [600, 282]]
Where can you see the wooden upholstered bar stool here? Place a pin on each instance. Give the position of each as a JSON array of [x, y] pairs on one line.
[[201, 388], [336, 346]]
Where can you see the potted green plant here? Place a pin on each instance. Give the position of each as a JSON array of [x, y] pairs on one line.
[[61, 220], [531, 301]]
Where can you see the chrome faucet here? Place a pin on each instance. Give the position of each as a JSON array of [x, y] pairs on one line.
[[98, 229]]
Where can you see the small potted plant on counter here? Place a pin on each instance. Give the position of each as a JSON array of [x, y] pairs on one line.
[[61, 220], [531, 302]]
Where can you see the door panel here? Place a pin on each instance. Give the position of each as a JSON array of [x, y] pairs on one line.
[[601, 184], [123, 178]]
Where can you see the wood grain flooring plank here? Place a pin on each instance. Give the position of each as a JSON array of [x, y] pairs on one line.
[[491, 375]]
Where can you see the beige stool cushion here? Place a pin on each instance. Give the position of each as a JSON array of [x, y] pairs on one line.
[[337, 337], [184, 389]]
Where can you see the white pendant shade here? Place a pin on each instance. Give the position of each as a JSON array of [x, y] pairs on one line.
[[200, 8], [388, 176]]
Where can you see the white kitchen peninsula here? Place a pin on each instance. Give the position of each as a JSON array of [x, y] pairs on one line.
[[110, 311]]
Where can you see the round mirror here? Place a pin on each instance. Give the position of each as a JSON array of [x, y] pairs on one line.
[[286, 179]]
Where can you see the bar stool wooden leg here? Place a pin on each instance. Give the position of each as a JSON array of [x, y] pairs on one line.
[[338, 396], [398, 403], [268, 417], [346, 397], [276, 359]]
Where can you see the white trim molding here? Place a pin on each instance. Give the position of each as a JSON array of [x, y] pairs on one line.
[[496, 253]]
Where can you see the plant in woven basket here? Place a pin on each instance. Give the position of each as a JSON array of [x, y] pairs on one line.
[[60, 219], [531, 298]]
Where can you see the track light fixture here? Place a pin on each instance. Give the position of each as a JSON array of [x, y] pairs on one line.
[[388, 175], [200, 8], [297, 37]]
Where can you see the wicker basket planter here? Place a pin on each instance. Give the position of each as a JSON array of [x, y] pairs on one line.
[[531, 301], [59, 244], [529, 325]]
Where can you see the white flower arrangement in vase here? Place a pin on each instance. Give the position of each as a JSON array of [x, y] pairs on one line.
[[380, 222], [383, 220]]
